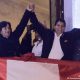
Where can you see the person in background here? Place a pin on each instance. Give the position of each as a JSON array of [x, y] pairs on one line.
[[26, 44], [38, 44], [57, 44], [9, 41]]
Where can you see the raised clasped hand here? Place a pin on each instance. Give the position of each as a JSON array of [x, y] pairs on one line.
[[31, 6]]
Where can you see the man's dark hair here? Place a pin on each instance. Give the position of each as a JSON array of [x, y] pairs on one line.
[[61, 20], [4, 24]]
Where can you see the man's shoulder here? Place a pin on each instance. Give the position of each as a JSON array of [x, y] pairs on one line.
[[75, 30]]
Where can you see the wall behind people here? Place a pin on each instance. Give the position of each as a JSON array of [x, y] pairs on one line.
[[42, 11], [68, 14], [12, 10], [53, 12]]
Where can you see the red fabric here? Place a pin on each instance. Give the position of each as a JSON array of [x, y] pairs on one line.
[[3, 69], [69, 70]]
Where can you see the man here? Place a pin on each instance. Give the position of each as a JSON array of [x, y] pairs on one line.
[[57, 44], [37, 45], [26, 44], [9, 41]]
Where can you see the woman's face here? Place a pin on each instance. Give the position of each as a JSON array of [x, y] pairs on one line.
[[6, 31]]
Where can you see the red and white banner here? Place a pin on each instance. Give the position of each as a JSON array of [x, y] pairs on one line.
[[39, 69]]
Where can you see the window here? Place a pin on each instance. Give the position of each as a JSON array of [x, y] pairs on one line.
[[76, 13]]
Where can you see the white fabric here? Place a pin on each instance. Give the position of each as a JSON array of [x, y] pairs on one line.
[[20, 70], [56, 51], [37, 49]]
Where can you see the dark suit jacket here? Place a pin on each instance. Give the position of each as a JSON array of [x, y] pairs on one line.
[[67, 40]]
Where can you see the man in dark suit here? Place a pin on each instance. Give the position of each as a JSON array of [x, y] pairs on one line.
[[57, 44]]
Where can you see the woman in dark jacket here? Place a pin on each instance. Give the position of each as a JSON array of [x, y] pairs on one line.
[[9, 41]]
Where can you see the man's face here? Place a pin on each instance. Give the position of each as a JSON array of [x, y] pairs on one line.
[[37, 36], [6, 31], [59, 28]]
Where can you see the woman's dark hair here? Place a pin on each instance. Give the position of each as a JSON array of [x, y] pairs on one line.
[[61, 20], [4, 24]]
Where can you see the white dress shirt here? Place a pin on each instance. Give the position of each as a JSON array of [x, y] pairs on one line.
[[37, 49], [56, 51]]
